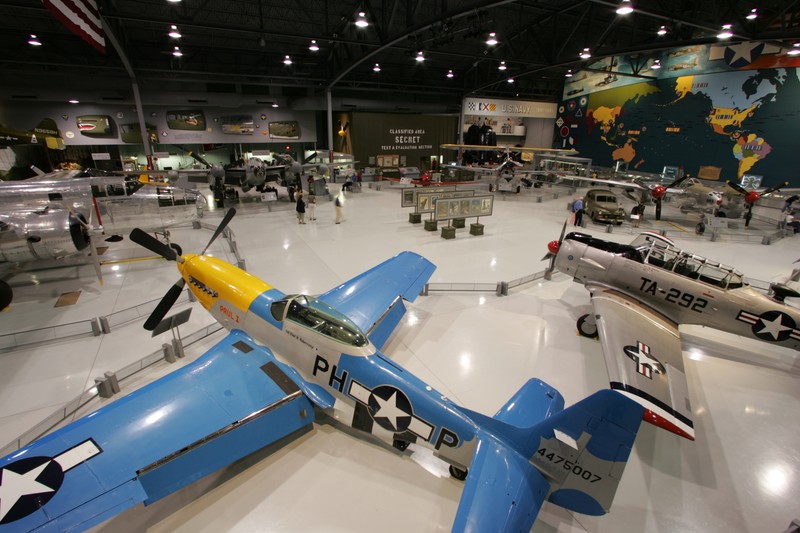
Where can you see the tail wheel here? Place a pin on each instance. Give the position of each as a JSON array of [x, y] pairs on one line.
[[587, 326], [457, 473], [400, 444], [6, 295]]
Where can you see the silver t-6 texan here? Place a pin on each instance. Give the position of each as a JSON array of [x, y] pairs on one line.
[[642, 292]]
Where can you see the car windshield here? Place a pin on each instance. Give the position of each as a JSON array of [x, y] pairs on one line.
[[319, 316]]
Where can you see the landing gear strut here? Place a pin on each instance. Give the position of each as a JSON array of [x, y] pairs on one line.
[[400, 444], [457, 473], [587, 326]]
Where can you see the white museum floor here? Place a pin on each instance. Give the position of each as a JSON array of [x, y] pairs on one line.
[[741, 474]]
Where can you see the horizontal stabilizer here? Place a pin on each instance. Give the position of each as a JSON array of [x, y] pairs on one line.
[[535, 401], [503, 491]]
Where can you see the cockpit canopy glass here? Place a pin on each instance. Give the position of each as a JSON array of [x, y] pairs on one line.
[[319, 316], [661, 254]]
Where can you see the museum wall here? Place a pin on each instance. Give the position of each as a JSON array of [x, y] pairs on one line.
[[733, 107], [400, 140], [93, 124]]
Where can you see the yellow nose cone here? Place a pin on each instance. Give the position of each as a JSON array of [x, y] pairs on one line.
[[211, 278]]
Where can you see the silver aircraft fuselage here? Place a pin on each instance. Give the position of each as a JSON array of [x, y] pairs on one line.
[[684, 288]]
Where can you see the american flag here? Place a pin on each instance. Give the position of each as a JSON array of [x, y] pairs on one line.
[[81, 17]]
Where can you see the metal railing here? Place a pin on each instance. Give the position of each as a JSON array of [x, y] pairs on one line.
[[94, 327], [68, 411]]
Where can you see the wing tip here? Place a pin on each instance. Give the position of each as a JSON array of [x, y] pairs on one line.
[[669, 425]]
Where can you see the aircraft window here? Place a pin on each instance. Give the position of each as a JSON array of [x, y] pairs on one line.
[[115, 190], [132, 185], [734, 281], [714, 276], [316, 315], [277, 309], [98, 192]]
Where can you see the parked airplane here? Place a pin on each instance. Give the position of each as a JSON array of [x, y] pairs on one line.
[[46, 131], [63, 213], [506, 174], [641, 293], [287, 355]]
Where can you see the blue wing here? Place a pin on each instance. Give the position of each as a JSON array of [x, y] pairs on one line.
[[373, 299], [230, 402]]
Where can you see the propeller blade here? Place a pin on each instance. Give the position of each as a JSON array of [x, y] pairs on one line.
[[164, 305], [222, 225], [775, 188], [736, 187], [96, 260], [676, 182], [550, 255], [154, 245]]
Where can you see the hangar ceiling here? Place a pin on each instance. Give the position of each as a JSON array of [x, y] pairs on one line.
[[233, 50]]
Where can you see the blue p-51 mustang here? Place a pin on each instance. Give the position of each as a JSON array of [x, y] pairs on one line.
[[284, 357]]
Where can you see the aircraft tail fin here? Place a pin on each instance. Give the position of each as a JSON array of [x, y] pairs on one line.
[[48, 129], [579, 452]]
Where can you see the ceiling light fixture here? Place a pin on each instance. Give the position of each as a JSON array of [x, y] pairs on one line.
[[568, 74], [501, 66], [752, 15], [173, 32], [287, 60], [794, 50], [34, 41], [726, 32], [377, 67], [450, 74], [73, 101], [625, 7], [314, 47], [492, 40], [274, 104], [177, 51], [361, 20], [420, 56], [656, 64], [586, 54], [173, 1], [510, 80], [662, 30]]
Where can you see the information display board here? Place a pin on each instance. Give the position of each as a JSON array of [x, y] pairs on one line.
[[426, 201], [409, 196], [477, 206]]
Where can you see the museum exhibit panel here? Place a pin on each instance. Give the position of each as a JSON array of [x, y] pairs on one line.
[[418, 354]]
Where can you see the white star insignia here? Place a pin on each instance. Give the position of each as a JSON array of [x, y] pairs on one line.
[[14, 486], [388, 409], [773, 327]]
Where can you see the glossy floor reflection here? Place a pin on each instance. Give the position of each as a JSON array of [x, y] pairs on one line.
[[741, 474]]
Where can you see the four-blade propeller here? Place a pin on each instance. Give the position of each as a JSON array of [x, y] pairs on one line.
[[154, 245]]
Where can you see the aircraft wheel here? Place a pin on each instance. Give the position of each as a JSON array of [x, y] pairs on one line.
[[177, 248], [6, 295], [457, 473], [400, 444], [586, 327]]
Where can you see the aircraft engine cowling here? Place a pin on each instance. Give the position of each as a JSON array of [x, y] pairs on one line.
[[57, 233]]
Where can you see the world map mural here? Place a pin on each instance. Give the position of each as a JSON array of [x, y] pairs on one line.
[[743, 121]]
